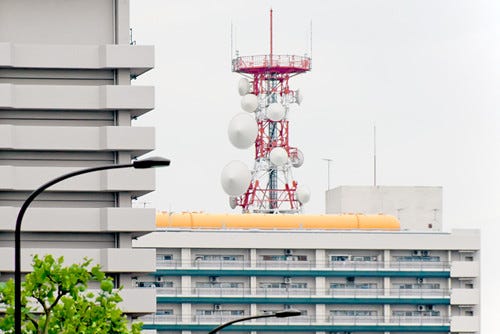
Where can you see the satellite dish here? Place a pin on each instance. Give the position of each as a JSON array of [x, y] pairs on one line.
[[235, 178], [233, 202], [249, 102], [243, 86], [298, 97], [242, 131], [298, 160], [278, 156], [303, 194], [275, 112]]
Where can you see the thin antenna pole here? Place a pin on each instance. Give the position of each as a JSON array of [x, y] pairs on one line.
[[271, 34], [232, 54], [311, 39], [328, 161], [374, 155]]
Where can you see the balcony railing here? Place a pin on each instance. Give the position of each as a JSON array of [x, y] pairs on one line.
[[307, 265], [307, 319], [306, 292]]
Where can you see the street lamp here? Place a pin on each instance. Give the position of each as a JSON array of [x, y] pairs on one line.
[[279, 314], [138, 164]]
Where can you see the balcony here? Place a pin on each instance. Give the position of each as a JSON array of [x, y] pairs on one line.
[[311, 320], [137, 58], [306, 295], [307, 265]]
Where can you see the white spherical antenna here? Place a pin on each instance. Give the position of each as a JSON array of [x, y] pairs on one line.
[[303, 194], [298, 97], [278, 156], [298, 160], [235, 178], [275, 112], [243, 86], [249, 102], [233, 202], [242, 131]]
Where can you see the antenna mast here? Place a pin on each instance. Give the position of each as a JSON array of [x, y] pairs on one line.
[[271, 33], [266, 97], [374, 155]]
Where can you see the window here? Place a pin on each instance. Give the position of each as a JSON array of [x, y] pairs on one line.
[[339, 258], [284, 257], [219, 258], [230, 285], [353, 285], [416, 258], [165, 312], [220, 312], [416, 286], [469, 313], [164, 257], [364, 258], [156, 284], [469, 258], [428, 313], [353, 313]]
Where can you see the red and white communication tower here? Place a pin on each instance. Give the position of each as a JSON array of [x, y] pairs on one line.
[[266, 98]]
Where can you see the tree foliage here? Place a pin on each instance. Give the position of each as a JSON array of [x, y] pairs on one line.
[[55, 300]]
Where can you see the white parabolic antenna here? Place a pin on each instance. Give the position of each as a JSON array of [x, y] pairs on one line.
[[249, 102], [303, 194], [243, 86], [242, 130], [278, 156], [298, 160], [298, 97], [275, 112], [235, 178]]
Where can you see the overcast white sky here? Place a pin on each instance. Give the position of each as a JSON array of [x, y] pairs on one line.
[[427, 73]]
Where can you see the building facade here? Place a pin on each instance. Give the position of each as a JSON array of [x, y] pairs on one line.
[[66, 103], [352, 281]]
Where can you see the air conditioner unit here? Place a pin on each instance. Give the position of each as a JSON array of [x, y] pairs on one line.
[[212, 279], [425, 253], [287, 280], [350, 279], [159, 279], [420, 307], [420, 280], [217, 307], [288, 252], [429, 307], [415, 252]]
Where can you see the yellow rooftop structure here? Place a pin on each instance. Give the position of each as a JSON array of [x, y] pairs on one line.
[[196, 220]]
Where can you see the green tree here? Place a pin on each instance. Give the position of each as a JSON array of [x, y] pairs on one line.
[[55, 300]]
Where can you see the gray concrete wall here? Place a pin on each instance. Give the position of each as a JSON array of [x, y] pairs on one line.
[[417, 208]]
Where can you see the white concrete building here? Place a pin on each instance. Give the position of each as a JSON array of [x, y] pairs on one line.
[[417, 208], [343, 281], [66, 102]]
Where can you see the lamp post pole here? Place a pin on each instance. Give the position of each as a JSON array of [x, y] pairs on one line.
[[279, 314], [138, 164]]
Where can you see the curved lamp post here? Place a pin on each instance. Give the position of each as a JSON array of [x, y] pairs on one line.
[[139, 164], [279, 314]]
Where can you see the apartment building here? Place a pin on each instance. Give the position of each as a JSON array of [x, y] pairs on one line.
[[342, 280], [66, 103]]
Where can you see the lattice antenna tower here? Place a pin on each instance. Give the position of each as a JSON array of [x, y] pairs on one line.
[[266, 97]]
